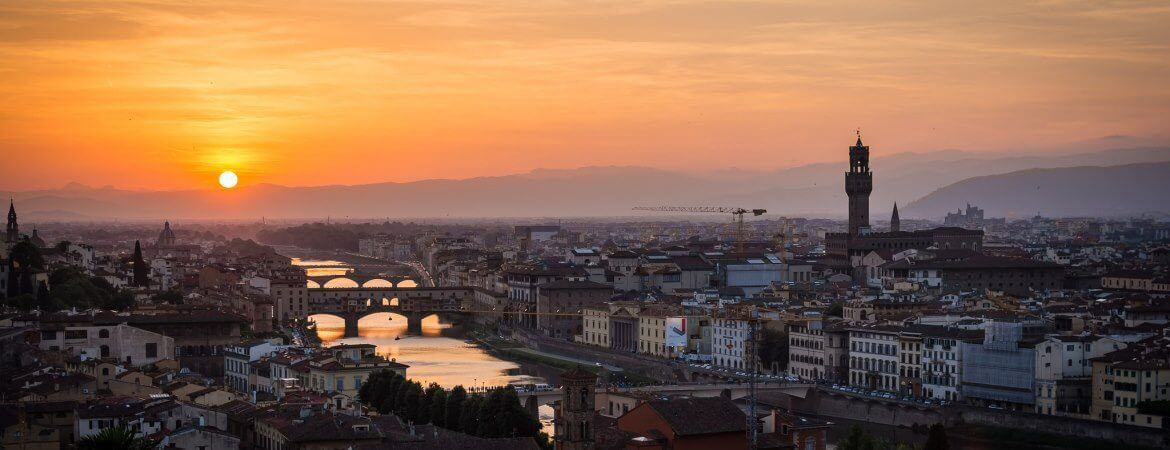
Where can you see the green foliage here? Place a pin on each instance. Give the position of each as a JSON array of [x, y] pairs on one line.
[[247, 247], [937, 438], [317, 236], [170, 296], [498, 414], [469, 417], [23, 302], [836, 309], [773, 348], [71, 287], [117, 438], [24, 261], [454, 408], [438, 402], [1155, 407], [858, 439], [25, 255]]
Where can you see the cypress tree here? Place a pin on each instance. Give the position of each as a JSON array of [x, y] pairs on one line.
[[141, 271], [937, 439]]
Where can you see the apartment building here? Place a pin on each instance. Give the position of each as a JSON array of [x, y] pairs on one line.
[[873, 357], [806, 349], [1064, 372]]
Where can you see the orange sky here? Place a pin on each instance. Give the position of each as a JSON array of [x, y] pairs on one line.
[[162, 94]]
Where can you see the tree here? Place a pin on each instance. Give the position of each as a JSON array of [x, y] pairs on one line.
[[116, 438], [774, 348], [411, 401], [423, 414], [24, 261], [937, 438], [837, 309], [141, 270], [454, 408], [23, 302], [491, 420], [470, 413], [439, 408], [169, 296]]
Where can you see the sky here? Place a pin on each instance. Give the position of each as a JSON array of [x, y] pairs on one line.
[[166, 94]]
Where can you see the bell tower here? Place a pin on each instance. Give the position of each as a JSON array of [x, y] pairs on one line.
[[12, 232], [574, 426], [858, 185]]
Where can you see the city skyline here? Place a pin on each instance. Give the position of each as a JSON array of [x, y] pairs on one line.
[[164, 96]]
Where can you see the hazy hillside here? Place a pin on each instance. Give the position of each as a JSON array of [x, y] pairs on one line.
[[591, 191], [1076, 191]]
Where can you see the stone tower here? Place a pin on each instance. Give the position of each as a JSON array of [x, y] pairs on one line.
[[895, 221], [12, 232], [858, 185], [574, 427]]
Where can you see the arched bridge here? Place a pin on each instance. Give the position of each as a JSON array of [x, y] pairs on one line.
[[351, 304], [355, 280]]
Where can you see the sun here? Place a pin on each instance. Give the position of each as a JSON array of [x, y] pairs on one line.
[[228, 179]]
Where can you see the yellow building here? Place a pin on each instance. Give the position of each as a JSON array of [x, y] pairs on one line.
[[595, 325], [1125, 381]]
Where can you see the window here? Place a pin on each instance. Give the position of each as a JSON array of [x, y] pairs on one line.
[[105, 351], [151, 350], [104, 333]]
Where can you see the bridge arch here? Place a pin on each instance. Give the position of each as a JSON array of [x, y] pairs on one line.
[[407, 283], [378, 283], [340, 282], [312, 284]]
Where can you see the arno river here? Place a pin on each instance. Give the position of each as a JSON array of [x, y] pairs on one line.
[[440, 354]]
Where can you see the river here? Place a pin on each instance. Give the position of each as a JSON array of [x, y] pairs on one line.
[[440, 354]]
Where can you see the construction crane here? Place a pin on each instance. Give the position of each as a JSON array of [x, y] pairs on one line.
[[737, 214]]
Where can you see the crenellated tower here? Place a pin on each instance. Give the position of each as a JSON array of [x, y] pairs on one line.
[[858, 185]]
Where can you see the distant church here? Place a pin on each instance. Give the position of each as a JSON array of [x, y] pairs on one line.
[[845, 250], [12, 234]]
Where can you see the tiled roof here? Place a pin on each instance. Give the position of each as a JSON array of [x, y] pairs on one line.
[[696, 416]]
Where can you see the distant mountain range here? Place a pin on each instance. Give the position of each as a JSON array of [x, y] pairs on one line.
[[811, 190], [1129, 189]]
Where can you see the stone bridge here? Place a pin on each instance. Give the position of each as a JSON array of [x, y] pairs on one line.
[[416, 303], [352, 280]]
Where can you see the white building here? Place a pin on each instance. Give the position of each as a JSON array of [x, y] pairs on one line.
[[942, 362], [873, 357], [121, 342], [806, 350], [237, 360], [727, 343], [1064, 372]]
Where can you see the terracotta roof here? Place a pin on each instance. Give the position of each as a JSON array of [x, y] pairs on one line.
[[697, 416]]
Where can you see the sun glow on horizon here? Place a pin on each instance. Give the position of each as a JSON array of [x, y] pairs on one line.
[[228, 179]]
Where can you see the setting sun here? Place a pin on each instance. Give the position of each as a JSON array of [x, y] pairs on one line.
[[228, 179]]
